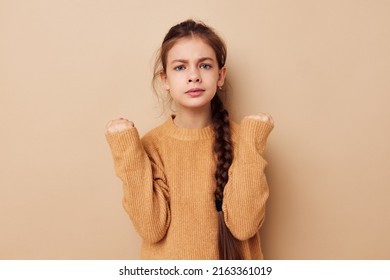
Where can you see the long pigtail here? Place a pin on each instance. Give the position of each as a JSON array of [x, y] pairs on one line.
[[229, 247]]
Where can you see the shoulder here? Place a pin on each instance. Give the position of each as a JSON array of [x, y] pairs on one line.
[[152, 135], [152, 138]]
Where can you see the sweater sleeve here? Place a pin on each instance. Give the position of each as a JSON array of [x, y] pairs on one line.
[[246, 192], [145, 192]]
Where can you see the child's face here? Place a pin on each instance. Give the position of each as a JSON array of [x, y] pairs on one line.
[[192, 74]]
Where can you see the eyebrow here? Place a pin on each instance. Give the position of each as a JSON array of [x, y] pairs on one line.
[[186, 61]]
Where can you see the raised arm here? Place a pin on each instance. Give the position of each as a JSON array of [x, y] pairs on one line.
[[145, 193], [246, 192]]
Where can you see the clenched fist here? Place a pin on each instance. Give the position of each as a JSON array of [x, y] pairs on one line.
[[262, 117], [118, 125]]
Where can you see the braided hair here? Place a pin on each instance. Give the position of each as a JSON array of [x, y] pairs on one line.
[[229, 248], [228, 245]]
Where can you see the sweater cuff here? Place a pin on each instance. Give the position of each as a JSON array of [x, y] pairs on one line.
[[255, 131], [122, 141]]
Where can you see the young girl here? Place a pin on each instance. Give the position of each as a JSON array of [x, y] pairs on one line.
[[194, 187]]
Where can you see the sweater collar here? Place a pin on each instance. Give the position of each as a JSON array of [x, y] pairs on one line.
[[187, 133]]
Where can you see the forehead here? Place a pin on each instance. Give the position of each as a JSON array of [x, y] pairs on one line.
[[190, 48]]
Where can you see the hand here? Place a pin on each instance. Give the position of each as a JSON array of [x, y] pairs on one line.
[[262, 117], [118, 125]]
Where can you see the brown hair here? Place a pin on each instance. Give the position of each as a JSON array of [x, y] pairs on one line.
[[229, 247]]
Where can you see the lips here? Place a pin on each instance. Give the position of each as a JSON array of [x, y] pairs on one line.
[[195, 92]]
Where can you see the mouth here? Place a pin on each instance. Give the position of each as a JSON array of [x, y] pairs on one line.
[[194, 92]]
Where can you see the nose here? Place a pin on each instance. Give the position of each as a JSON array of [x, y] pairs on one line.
[[194, 77]]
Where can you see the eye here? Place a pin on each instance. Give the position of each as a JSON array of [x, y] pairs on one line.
[[205, 66], [179, 67]]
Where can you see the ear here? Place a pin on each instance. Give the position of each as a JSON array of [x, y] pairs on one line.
[[164, 80], [221, 76]]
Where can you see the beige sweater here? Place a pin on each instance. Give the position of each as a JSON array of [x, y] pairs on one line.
[[168, 184]]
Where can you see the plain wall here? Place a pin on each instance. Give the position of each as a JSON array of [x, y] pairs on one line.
[[320, 68]]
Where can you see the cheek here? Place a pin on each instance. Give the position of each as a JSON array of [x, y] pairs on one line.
[[213, 79], [174, 82], [174, 77], [166, 81]]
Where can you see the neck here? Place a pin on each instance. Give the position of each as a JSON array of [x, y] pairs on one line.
[[193, 118]]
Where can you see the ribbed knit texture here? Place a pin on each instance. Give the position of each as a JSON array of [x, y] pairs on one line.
[[168, 184]]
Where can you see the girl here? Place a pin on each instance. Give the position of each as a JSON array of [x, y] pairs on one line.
[[194, 187]]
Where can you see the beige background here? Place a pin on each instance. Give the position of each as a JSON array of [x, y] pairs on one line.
[[321, 68]]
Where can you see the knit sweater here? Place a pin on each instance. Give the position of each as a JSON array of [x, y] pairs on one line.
[[168, 186]]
